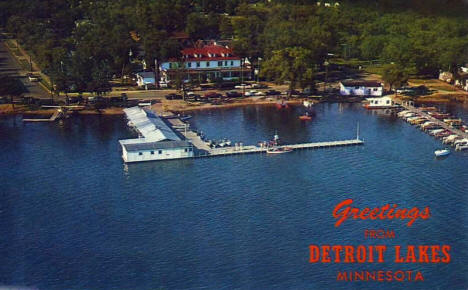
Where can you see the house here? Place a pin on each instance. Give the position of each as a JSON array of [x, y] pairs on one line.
[[361, 88], [462, 81], [380, 103], [446, 76], [464, 68], [146, 79], [158, 141], [205, 62]]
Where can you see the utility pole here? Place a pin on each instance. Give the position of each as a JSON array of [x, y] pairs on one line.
[[258, 69], [326, 63], [357, 131]]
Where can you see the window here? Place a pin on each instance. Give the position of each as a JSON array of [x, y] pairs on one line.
[[232, 62], [186, 150], [225, 63], [220, 63], [198, 64], [170, 65], [159, 151], [375, 89], [190, 149], [356, 88], [189, 64], [388, 102], [140, 153], [152, 152], [207, 63]]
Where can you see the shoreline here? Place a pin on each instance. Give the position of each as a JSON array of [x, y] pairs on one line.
[[180, 106]]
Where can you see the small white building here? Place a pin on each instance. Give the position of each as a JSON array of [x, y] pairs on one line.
[[146, 79], [464, 68], [150, 151], [361, 88], [157, 139], [380, 103]]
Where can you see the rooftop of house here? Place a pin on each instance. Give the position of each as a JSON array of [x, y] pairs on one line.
[[145, 74], [208, 51], [370, 84]]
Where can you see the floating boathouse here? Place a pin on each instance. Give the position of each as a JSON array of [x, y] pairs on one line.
[[157, 141]]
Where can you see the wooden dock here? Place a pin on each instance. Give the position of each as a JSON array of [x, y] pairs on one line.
[[203, 148], [437, 121], [213, 152], [52, 118]]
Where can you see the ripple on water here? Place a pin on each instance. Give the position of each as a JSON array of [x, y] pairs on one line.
[[74, 216]]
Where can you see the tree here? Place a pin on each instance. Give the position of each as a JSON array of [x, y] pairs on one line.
[[293, 64], [394, 75], [11, 87]]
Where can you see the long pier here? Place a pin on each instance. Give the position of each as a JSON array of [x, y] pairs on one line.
[[250, 149], [204, 149]]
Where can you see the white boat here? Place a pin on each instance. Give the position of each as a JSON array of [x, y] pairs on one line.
[[450, 139], [308, 104], [279, 150], [442, 152], [461, 147], [436, 131]]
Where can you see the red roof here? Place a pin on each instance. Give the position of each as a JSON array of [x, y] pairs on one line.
[[206, 59], [203, 52]]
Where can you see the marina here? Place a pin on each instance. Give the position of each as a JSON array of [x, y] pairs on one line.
[[440, 125], [164, 139]]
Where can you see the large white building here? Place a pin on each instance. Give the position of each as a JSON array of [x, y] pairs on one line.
[[157, 140], [361, 88], [205, 63]]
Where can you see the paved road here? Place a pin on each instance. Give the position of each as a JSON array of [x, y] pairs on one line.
[[9, 66]]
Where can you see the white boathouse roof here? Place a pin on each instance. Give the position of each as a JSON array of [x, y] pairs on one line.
[[150, 125]]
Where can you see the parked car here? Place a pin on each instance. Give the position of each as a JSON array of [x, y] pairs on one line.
[[293, 93], [258, 86], [173, 97], [251, 93], [233, 94], [191, 96], [260, 94], [212, 95], [243, 86], [273, 93], [32, 77]]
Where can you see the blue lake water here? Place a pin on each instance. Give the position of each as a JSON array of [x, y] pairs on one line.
[[74, 216]]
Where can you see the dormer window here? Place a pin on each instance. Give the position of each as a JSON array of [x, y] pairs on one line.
[[209, 55]]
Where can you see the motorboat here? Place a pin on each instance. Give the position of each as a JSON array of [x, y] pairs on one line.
[[451, 138], [461, 147], [435, 131], [442, 152], [282, 105], [307, 104], [305, 117], [279, 150]]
